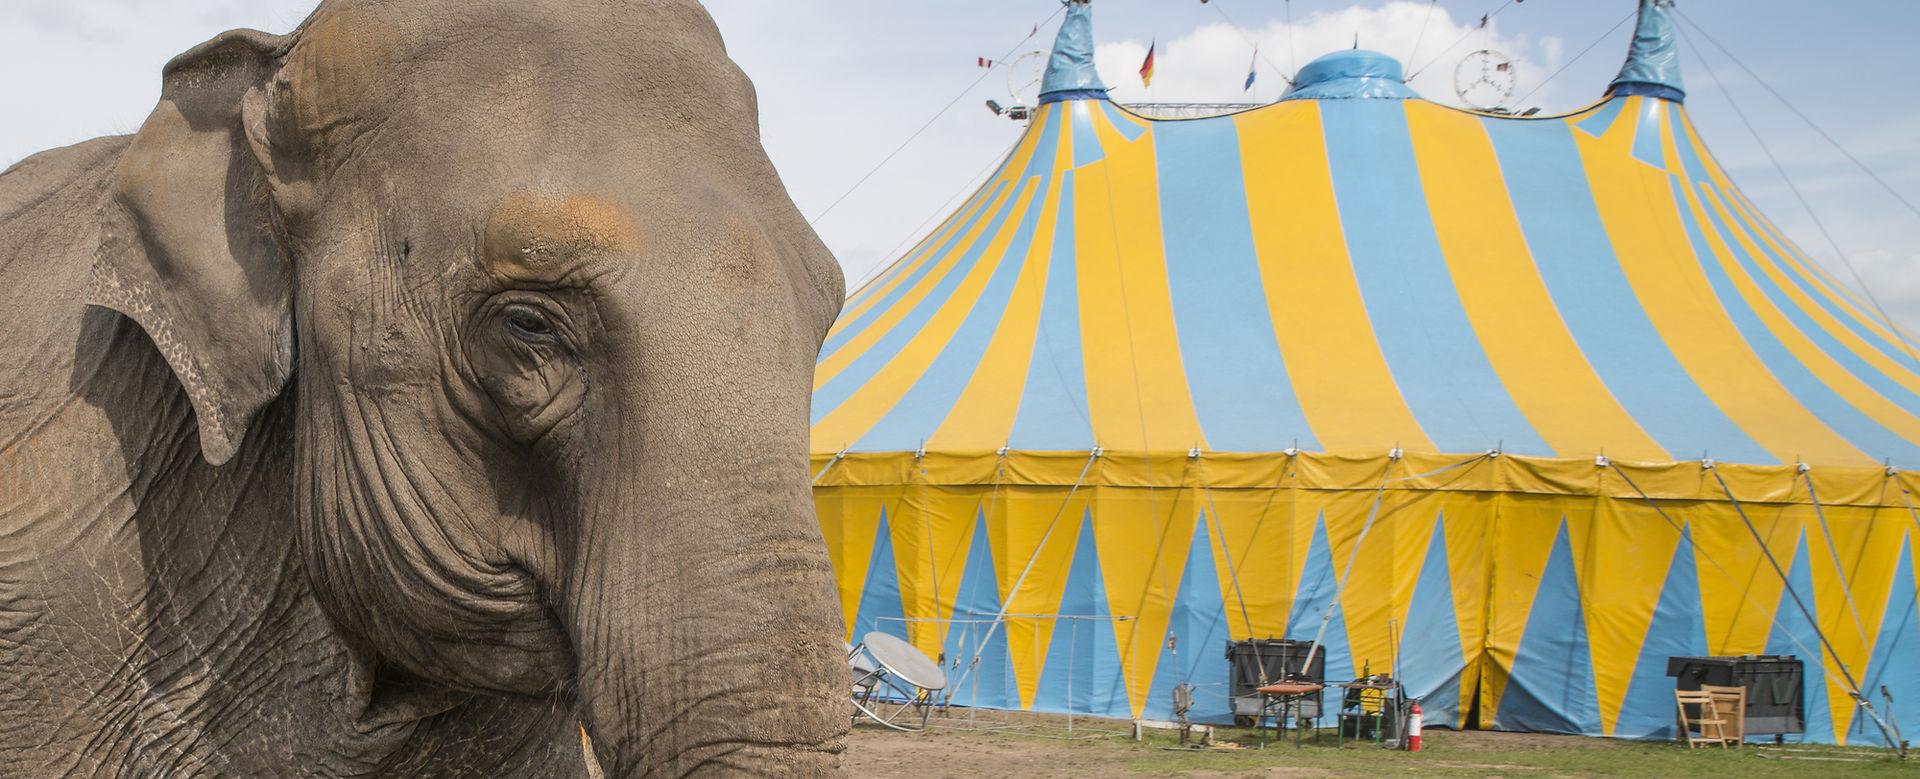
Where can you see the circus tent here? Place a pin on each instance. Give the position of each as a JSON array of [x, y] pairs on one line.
[[1515, 407]]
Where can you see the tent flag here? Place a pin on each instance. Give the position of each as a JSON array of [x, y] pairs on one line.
[[1276, 304], [1430, 657]]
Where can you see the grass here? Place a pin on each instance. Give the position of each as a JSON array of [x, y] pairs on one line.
[[1010, 744], [1503, 754]]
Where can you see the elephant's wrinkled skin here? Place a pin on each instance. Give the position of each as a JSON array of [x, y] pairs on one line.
[[409, 391]]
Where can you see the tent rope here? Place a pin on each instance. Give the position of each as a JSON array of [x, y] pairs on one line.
[[930, 121], [1576, 58], [1818, 223], [1839, 570], [1353, 557], [1853, 685], [1486, 17], [1764, 84], [1702, 552], [837, 457]]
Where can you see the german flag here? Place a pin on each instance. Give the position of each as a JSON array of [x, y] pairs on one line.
[[1146, 68]]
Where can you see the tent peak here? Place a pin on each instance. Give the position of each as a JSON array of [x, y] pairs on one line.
[[1351, 74], [1653, 58], [1070, 71]]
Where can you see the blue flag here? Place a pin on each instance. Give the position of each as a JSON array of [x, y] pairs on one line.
[[1251, 71]]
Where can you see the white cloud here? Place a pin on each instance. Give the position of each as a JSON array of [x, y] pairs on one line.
[[1210, 63]]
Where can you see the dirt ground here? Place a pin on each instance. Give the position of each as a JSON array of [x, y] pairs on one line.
[[1002, 745]]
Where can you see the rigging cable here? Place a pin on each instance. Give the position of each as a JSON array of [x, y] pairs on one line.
[[1866, 289], [935, 118], [1853, 686], [1484, 19], [1803, 117], [880, 265], [1424, 21], [1576, 57], [1256, 47]]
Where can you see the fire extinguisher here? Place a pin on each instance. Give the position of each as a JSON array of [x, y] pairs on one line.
[[1413, 728]]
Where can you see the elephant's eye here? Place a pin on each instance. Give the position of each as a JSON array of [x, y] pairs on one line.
[[529, 322]]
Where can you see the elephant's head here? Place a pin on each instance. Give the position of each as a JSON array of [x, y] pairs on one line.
[[546, 319]]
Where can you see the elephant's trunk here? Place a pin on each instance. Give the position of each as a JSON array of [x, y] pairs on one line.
[[706, 631]]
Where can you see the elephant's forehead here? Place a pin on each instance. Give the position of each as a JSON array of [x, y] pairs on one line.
[[533, 232]]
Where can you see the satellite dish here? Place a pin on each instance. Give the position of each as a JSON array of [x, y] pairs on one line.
[[1485, 80]]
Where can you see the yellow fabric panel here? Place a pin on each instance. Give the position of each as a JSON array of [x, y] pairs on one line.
[[1341, 379], [1833, 375], [1137, 391], [1377, 593], [1903, 372], [1047, 559], [1310, 471], [850, 523], [858, 413], [982, 418], [1621, 554], [1143, 537], [1368, 584], [1522, 539], [932, 533], [1263, 545], [1637, 207], [1512, 312], [1618, 138], [1740, 593], [1866, 544], [1470, 521]]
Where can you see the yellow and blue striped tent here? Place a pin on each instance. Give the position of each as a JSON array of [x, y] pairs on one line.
[[1519, 407]]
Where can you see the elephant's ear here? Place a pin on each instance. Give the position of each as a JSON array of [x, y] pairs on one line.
[[187, 249]]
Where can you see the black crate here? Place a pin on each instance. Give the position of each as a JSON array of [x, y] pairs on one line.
[[1775, 693], [1281, 660]]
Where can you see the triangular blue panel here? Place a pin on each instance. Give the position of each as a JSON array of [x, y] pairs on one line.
[[1677, 629], [1082, 672], [975, 606], [1194, 651], [1431, 659], [1896, 655], [880, 608], [1318, 588], [1551, 686], [1794, 634]]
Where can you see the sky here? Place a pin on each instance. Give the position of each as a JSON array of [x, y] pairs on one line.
[[843, 84]]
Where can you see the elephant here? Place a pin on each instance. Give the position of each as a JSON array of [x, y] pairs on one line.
[[421, 392]]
